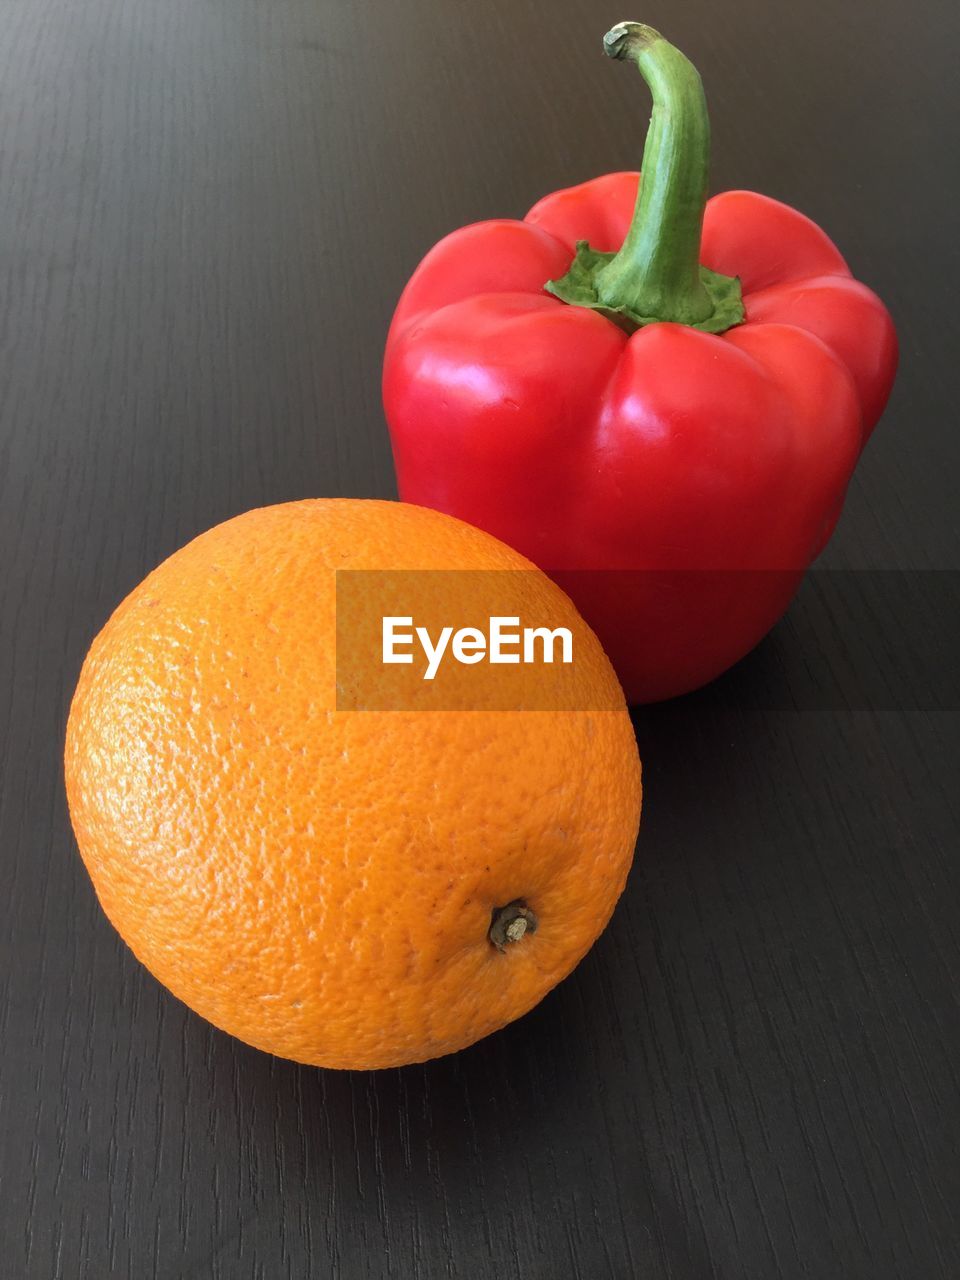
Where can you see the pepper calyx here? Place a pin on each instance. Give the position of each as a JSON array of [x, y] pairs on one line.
[[579, 288]]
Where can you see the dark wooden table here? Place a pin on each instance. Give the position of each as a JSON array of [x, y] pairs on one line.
[[207, 210]]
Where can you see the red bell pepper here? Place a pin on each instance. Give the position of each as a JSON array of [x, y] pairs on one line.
[[671, 441]]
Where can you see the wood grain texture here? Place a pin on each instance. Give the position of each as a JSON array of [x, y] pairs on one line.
[[207, 210]]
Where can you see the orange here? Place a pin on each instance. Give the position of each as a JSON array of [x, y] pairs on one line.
[[348, 888]]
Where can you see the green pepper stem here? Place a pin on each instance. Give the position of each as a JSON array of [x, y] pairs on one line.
[[656, 273]]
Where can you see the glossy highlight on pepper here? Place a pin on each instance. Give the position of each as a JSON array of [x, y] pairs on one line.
[[659, 398]]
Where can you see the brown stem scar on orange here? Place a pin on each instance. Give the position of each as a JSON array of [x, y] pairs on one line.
[[511, 923]]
